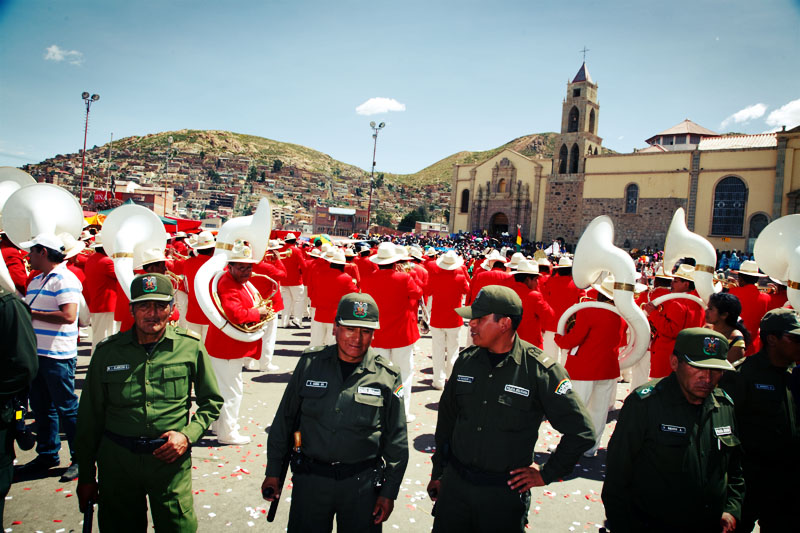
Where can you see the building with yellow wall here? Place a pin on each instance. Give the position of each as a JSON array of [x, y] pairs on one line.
[[730, 186]]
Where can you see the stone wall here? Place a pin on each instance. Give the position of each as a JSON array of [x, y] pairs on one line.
[[563, 207], [647, 227]]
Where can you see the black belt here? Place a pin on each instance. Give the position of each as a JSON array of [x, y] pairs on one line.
[[308, 465], [479, 477], [141, 445]]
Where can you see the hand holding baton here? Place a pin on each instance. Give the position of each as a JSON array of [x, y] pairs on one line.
[[269, 492]]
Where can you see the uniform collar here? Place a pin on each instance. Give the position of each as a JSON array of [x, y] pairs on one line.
[[368, 363], [130, 338], [516, 354], [676, 394]]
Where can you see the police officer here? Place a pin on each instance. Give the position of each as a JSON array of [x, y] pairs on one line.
[[133, 419], [769, 422], [18, 366], [489, 417], [674, 459], [348, 405]]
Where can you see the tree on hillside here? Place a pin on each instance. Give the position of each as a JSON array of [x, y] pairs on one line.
[[202, 154], [213, 175], [277, 165], [252, 174], [379, 180], [412, 217], [383, 219]]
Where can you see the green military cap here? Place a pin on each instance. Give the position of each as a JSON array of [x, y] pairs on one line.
[[780, 321], [703, 348], [151, 287], [493, 299], [357, 310]]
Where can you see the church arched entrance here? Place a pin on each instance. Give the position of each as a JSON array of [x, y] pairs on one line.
[[498, 223]]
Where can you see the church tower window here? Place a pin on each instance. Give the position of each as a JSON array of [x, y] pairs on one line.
[[730, 200], [573, 159], [592, 122], [563, 156], [572, 123]]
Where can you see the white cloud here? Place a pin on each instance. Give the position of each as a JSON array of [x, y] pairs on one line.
[[745, 115], [788, 115], [373, 106], [54, 53]]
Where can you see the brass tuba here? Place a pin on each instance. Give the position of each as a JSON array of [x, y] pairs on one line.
[[254, 229], [41, 208], [594, 255], [683, 243], [777, 252], [11, 180], [128, 231]]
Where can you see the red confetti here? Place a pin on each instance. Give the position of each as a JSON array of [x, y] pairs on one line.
[[67, 495], [57, 520], [59, 490], [16, 522], [26, 488]]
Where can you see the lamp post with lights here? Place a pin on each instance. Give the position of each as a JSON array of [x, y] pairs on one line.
[[375, 130], [88, 99]]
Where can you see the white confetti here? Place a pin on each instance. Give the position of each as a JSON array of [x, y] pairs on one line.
[[212, 515], [251, 524]]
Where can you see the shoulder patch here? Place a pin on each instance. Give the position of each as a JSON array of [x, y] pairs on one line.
[[541, 357], [648, 389], [388, 365], [721, 393]]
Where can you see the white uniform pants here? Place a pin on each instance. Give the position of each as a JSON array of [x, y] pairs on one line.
[[267, 348], [445, 352], [182, 301], [640, 372], [596, 396], [321, 334], [103, 325], [201, 330], [294, 301], [231, 387], [550, 347], [403, 359]]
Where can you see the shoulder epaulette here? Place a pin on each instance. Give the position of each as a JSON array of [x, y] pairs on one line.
[[541, 357], [722, 393], [469, 350], [313, 350], [187, 333], [648, 389], [388, 365]]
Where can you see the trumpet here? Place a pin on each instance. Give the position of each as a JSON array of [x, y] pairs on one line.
[[283, 254], [177, 279]]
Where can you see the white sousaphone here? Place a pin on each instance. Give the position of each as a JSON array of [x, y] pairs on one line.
[[127, 232], [682, 243], [41, 208], [11, 180], [595, 254], [777, 252], [254, 229]]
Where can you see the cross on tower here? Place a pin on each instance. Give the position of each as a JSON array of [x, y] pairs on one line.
[[584, 53]]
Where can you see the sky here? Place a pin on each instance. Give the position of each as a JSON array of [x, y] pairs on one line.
[[444, 76]]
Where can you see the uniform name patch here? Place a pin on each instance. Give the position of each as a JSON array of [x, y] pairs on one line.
[[369, 391], [517, 390], [764, 386], [465, 379], [669, 428], [117, 368], [317, 384], [724, 430], [564, 387]]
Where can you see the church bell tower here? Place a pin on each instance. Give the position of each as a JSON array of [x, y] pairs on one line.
[[579, 119]]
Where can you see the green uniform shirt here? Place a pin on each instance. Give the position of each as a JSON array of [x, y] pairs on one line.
[[343, 421], [132, 394], [768, 419], [672, 465], [18, 360], [489, 417]]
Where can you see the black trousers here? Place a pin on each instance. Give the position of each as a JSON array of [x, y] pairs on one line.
[[317, 499]]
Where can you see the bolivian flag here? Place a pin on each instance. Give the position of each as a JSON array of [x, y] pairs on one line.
[[519, 239]]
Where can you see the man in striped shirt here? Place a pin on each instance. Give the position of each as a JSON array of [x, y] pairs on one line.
[[53, 297]]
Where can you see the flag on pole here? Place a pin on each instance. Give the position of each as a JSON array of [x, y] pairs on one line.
[[519, 238]]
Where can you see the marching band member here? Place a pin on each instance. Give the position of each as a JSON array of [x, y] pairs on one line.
[[362, 262], [535, 310], [593, 358], [448, 287], [330, 282], [101, 292], [397, 295], [270, 269], [196, 320], [561, 293], [640, 372], [15, 263], [293, 291], [755, 304], [239, 307]]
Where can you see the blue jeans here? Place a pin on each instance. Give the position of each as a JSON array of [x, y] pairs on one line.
[[54, 404]]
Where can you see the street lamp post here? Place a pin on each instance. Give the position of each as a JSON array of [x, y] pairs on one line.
[[375, 130], [88, 99]]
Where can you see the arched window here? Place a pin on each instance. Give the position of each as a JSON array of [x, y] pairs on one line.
[[465, 201], [563, 156], [501, 186], [757, 223], [573, 159], [591, 122], [631, 198], [730, 198], [572, 121]]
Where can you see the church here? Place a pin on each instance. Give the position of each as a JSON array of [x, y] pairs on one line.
[[731, 186]]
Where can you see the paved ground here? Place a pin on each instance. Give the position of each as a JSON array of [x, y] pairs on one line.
[[227, 478]]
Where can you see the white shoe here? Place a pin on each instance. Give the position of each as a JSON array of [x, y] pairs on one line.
[[438, 385], [234, 438], [410, 417], [270, 368]]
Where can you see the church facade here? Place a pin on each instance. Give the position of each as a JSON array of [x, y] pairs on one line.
[[730, 186]]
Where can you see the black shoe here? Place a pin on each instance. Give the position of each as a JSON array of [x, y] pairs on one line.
[[35, 467], [70, 474]]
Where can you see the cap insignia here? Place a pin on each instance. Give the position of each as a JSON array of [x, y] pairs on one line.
[[360, 309], [710, 346], [149, 284]]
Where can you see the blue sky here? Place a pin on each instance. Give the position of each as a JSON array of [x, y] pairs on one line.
[[463, 75]]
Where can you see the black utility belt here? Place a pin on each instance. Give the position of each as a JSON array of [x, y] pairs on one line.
[[479, 477], [141, 445], [303, 464]]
